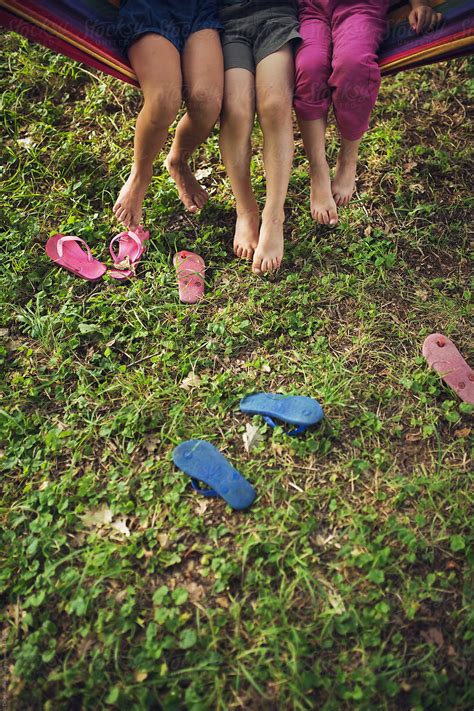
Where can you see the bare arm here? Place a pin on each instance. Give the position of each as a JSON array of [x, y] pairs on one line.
[[422, 17]]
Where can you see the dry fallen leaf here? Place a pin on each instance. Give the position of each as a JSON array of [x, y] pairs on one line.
[[140, 676], [121, 596], [464, 432], [191, 381], [101, 516], [151, 443], [203, 173], [201, 507], [336, 602], [251, 437], [196, 592], [163, 540], [413, 437], [223, 602], [4, 332], [125, 265], [422, 294], [120, 525], [433, 635], [27, 142]]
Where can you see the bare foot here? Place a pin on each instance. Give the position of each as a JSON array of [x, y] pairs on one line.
[[343, 185], [128, 208], [323, 206], [269, 251], [246, 234], [192, 195]]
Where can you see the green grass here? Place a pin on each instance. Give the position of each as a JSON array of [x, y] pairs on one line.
[[349, 583]]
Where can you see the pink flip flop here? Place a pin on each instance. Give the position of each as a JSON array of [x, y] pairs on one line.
[[442, 355], [66, 251], [130, 251], [190, 268]]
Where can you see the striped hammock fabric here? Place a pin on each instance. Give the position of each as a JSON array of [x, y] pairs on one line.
[[85, 31]]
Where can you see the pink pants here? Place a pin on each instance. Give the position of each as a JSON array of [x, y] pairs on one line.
[[337, 61]]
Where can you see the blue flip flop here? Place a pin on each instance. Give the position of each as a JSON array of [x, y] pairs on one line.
[[203, 462], [292, 409]]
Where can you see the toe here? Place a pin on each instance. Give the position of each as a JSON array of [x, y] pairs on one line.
[[121, 214], [189, 203], [199, 200]]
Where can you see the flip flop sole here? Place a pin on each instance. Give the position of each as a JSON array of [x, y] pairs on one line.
[[293, 409], [74, 259], [190, 269], [201, 460], [443, 356]]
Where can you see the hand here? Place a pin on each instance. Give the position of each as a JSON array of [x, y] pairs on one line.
[[423, 19]]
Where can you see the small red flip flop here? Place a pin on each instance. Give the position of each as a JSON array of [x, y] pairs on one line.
[[66, 251], [190, 268], [442, 355], [130, 251]]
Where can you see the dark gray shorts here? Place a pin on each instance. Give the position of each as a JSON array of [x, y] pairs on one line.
[[254, 29]]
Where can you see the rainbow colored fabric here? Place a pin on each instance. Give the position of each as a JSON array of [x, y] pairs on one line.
[[85, 31]]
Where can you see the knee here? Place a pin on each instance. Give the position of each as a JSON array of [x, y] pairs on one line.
[[311, 65], [357, 80], [237, 117], [356, 69], [204, 105], [274, 108], [162, 108]]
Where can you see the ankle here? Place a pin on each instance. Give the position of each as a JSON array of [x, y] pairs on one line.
[[141, 174], [248, 211], [318, 166], [273, 216], [176, 160], [348, 156]]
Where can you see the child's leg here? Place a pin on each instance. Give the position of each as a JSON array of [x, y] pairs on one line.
[[158, 67], [203, 80], [358, 30], [238, 115], [275, 89], [312, 100]]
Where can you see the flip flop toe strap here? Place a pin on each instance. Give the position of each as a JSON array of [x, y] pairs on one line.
[[73, 238], [135, 239], [294, 433], [204, 492]]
